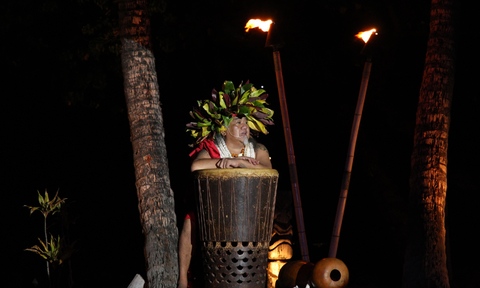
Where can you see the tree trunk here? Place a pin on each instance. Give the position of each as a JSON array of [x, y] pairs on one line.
[[425, 263], [156, 199]]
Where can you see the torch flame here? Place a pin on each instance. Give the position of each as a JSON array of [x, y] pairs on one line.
[[257, 23], [365, 35]]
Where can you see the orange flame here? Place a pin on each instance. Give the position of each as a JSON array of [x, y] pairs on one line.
[[257, 23], [365, 35]]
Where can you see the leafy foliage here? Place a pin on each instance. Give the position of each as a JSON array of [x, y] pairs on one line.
[[49, 251], [47, 206], [214, 115]]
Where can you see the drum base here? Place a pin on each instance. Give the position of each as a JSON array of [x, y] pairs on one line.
[[235, 264]]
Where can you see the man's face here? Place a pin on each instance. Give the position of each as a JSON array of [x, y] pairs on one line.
[[239, 129]]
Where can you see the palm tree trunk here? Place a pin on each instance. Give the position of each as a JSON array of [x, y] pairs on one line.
[[156, 199], [425, 263]]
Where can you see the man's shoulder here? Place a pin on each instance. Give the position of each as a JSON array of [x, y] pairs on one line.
[[260, 146]]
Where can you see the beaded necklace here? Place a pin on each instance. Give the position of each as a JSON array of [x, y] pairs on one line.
[[239, 154]]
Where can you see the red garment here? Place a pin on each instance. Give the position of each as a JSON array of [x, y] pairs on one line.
[[208, 145]]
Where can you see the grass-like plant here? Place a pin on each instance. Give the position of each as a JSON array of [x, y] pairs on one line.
[[50, 247]]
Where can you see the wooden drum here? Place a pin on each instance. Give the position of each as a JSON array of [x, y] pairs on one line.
[[235, 212]]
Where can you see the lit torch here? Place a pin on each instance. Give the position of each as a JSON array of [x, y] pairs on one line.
[[257, 23], [365, 36], [274, 41]]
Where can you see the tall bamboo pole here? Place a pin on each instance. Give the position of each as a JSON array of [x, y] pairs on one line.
[[349, 162], [289, 142]]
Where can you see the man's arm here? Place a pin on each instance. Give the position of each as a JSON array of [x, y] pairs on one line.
[[203, 161], [184, 253], [262, 160]]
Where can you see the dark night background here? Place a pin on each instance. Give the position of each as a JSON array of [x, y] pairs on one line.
[[65, 126]]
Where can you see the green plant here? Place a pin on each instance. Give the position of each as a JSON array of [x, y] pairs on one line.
[[50, 248]]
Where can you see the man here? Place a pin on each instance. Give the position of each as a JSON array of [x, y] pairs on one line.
[[223, 141]]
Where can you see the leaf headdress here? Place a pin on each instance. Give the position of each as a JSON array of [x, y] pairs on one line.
[[213, 115]]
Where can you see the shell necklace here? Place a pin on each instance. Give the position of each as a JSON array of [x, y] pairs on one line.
[[225, 153]]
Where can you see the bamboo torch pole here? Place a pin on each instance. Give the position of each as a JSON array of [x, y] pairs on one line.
[[274, 42], [351, 151], [297, 201]]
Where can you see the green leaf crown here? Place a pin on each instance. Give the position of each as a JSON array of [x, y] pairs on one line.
[[213, 116]]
